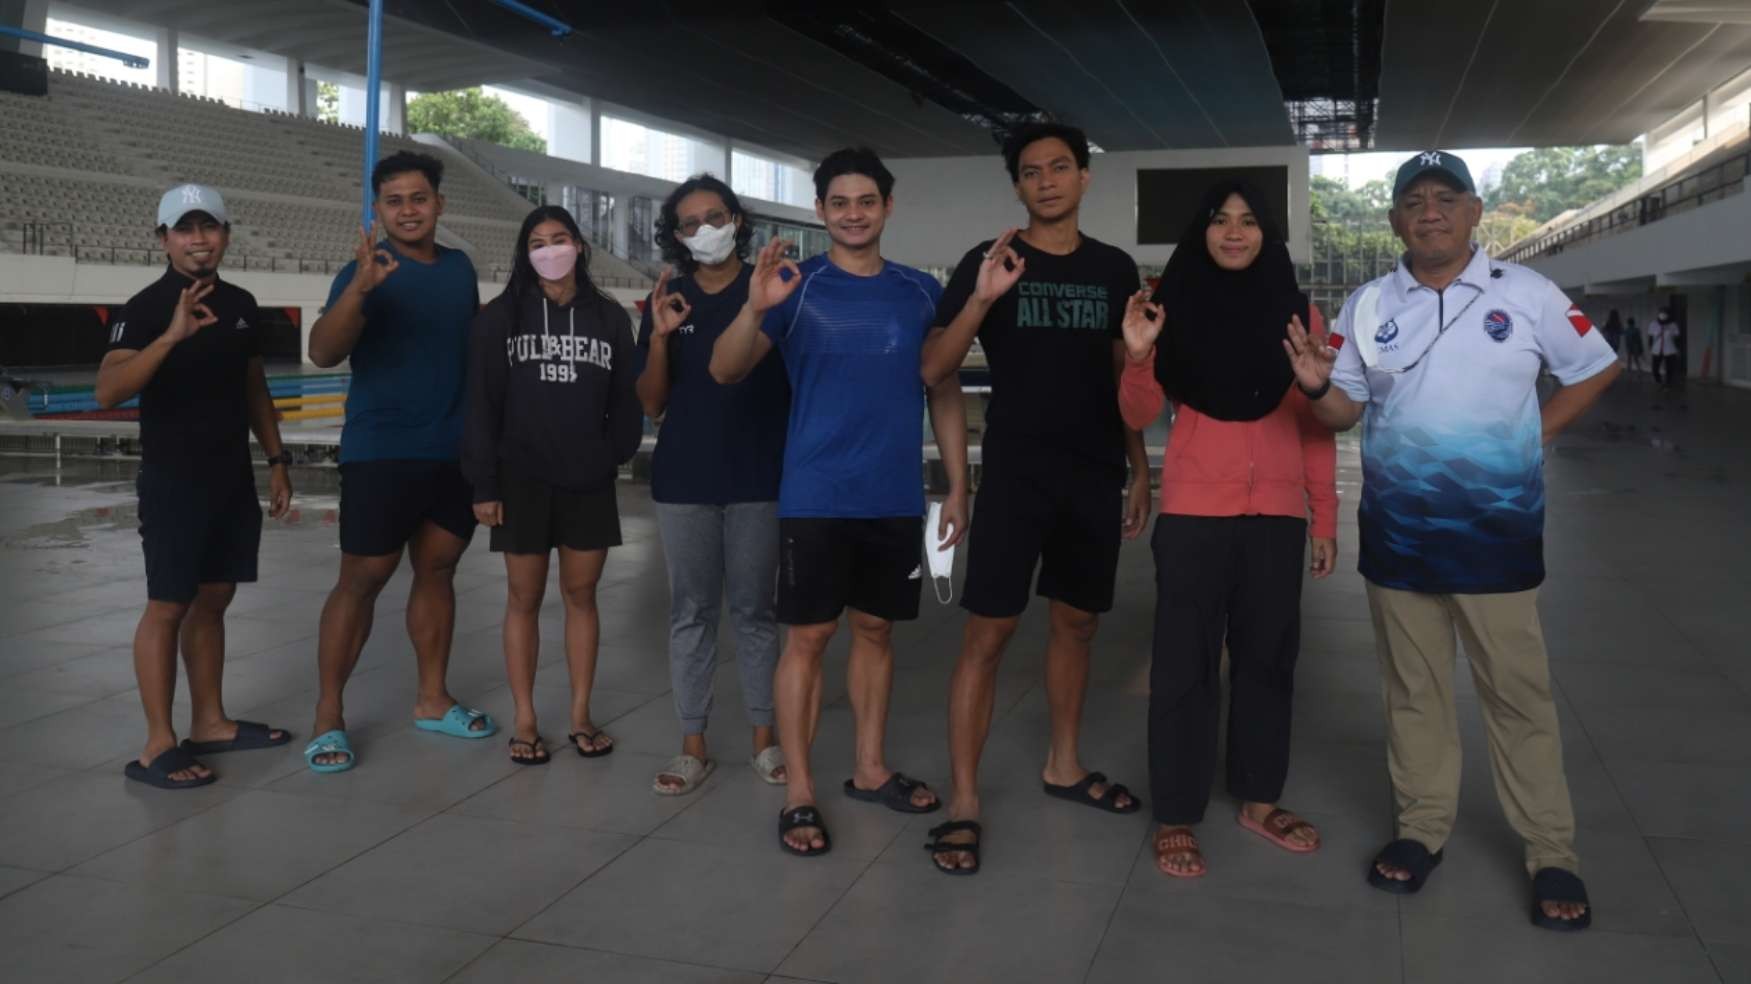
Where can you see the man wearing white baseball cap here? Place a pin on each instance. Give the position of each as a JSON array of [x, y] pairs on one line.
[[189, 347]]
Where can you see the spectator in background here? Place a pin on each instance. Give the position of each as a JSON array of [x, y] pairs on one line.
[[1633, 347], [1663, 349], [1613, 330]]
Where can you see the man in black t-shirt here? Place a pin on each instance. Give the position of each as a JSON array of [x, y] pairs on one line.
[[189, 347], [1046, 304]]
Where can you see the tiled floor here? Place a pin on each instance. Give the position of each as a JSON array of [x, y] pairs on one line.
[[438, 860]]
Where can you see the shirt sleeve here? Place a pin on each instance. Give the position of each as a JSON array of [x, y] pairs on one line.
[[1348, 374], [137, 326], [1141, 398], [933, 291], [960, 286], [778, 321], [252, 337], [1571, 349], [625, 415], [341, 280], [483, 412], [1126, 284]]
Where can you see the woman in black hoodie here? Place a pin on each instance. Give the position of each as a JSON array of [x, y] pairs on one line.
[[552, 414]]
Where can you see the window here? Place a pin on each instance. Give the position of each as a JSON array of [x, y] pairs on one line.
[[71, 60], [758, 177], [634, 147]]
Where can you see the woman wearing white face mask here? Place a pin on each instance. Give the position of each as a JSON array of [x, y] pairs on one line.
[[714, 475], [551, 417]]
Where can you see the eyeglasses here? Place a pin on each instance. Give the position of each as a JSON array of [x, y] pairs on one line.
[[714, 218]]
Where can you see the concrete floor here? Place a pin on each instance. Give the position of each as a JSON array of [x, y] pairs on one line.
[[438, 860]]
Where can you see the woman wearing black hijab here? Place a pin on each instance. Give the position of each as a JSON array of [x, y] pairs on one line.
[[1246, 465]]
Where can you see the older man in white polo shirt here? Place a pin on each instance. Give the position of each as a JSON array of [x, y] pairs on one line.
[[1440, 359]]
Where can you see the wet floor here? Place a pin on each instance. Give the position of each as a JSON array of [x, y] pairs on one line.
[[439, 860]]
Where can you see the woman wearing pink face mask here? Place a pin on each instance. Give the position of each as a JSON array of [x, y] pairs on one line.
[[552, 415]]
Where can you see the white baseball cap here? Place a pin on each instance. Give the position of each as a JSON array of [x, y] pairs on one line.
[[183, 199]]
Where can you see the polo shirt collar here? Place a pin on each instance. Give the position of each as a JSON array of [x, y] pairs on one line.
[[1476, 273]]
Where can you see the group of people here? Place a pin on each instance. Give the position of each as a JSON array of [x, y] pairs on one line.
[[1658, 350], [787, 485]]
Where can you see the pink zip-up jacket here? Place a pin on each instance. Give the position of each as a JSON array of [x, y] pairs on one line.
[[1283, 464]]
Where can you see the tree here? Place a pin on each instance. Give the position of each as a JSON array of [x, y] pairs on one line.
[[1547, 182], [328, 102], [472, 114]]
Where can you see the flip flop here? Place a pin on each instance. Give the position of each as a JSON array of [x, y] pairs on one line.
[[895, 794], [1270, 830], [456, 721], [803, 816], [1108, 801], [690, 769], [1407, 854], [938, 845], [159, 772], [251, 735], [589, 736], [538, 754], [1559, 885], [330, 743], [768, 762]]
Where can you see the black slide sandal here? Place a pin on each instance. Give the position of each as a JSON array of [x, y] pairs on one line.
[[895, 794], [939, 846], [1078, 793], [251, 735], [159, 772], [1407, 854], [803, 816], [1559, 885]]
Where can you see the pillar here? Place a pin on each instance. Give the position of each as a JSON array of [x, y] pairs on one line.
[[165, 62]]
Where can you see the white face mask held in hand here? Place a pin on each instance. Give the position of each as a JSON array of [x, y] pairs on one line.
[[942, 562], [711, 245]]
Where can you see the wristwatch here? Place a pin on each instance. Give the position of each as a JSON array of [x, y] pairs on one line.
[[283, 458], [1315, 395]]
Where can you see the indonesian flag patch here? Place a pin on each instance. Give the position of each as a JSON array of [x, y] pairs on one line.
[[1336, 341], [1579, 320]]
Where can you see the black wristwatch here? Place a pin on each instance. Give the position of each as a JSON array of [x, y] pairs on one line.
[[283, 458], [1314, 395]]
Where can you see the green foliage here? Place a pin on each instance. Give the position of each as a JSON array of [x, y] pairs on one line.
[[472, 114], [1546, 182], [328, 102], [1351, 222]]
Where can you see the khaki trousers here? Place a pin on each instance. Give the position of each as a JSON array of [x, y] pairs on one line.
[[1414, 635]]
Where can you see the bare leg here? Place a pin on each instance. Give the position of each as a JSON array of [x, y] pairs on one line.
[[346, 625], [871, 685], [1067, 651], [431, 616], [972, 699], [526, 585], [797, 701], [203, 654], [579, 572], [155, 670]]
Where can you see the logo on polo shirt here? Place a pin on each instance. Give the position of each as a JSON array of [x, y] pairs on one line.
[[115, 334], [1387, 333], [1498, 325], [241, 324]]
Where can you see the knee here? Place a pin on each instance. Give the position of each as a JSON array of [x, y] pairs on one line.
[[364, 581], [165, 614], [810, 640], [212, 600], [1074, 625], [871, 631], [524, 599], [985, 639], [580, 596], [435, 568]]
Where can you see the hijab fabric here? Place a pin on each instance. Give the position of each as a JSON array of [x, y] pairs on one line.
[[1221, 349]]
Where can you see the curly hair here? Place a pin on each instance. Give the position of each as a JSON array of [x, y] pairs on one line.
[[669, 221]]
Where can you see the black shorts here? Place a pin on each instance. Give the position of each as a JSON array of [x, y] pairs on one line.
[[827, 565], [383, 503], [197, 529], [539, 517], [1065, 516]]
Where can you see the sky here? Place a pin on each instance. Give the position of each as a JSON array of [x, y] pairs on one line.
[[1356, 170]]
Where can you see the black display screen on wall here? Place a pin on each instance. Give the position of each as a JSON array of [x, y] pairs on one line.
[[1166, 197]]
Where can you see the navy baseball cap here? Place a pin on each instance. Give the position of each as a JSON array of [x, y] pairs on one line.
[[1440, 162]]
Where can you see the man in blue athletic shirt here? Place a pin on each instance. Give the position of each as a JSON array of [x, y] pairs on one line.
[[401, 311], [850, 327]]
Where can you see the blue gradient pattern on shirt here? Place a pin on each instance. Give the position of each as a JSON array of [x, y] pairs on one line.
[[851, 346], [1450, 510]]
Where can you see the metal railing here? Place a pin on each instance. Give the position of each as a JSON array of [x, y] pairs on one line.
[[1722, 180]]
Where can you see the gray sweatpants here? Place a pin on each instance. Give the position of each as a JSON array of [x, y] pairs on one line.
[[719, 554]]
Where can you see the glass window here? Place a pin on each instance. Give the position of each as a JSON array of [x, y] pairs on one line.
[[71, 60], [634, 147], [758, 177]]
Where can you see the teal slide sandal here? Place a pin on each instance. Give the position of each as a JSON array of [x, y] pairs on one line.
[[330, 743], [456, 723]]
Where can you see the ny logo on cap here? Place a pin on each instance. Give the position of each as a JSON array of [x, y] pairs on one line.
[[191, 195], [1429, 159]]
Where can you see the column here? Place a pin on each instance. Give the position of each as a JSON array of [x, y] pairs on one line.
[[729, 162], [31, 15], [394, 118], [595, 134], [295, 89], [165, 62]]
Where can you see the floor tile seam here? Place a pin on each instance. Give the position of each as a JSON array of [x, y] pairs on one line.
[[31, 884], [68, 869], [254, 908], [635, 841], [828, 911], [1118, 903]]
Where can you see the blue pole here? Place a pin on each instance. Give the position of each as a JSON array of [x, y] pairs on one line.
[[373, 102], [132, 61], [558, 27]]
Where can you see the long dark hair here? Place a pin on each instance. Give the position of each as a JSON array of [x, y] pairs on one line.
[[669, 221], [524, 279], [1612, 323]]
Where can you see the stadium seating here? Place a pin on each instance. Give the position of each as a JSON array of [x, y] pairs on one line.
[[81, 171]]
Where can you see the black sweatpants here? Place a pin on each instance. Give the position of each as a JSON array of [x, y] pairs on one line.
[[1222, 578]]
